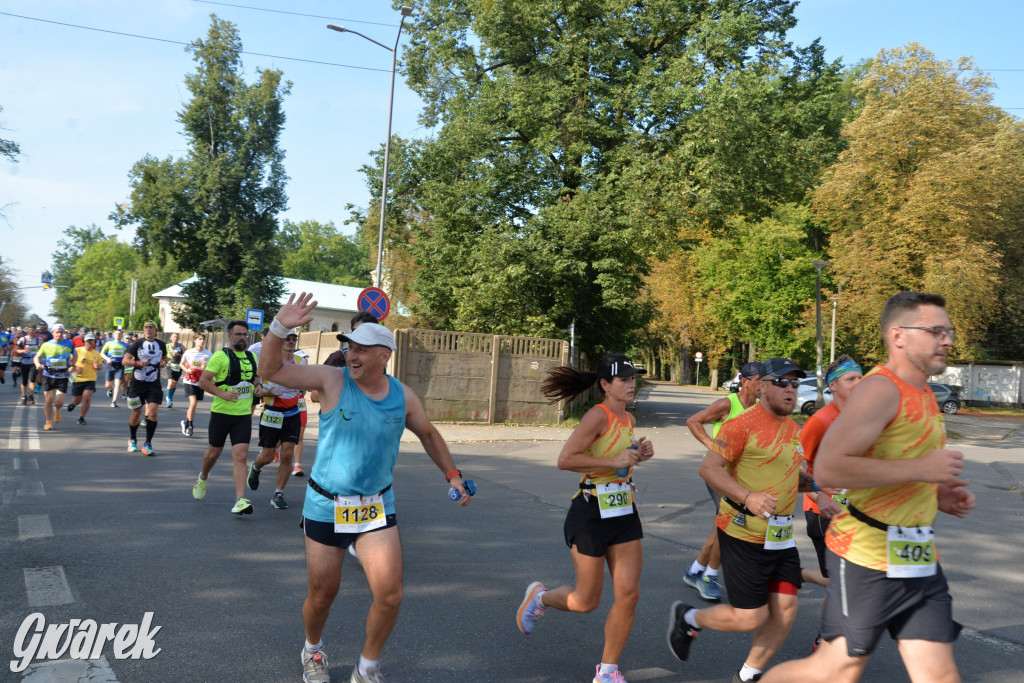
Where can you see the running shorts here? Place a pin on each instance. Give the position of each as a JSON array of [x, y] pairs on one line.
[[287, 432], [147, 392], [79, 388], [174, 375], [115, 372], [238, 427], [592, 535], [28, 374], [751, 572], [58, 384], [323, 532], [862, 603], [194, 390]]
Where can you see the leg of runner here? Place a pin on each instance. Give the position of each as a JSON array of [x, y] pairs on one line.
[[927, 660], [380, 553], [625, 561], [48, 409], [85, 400], [770, 635]]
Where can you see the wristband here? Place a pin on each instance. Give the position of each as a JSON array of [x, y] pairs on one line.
[[814, 486], [277, 329], [448, 477]]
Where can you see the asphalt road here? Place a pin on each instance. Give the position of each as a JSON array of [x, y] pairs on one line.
[[125, 535]]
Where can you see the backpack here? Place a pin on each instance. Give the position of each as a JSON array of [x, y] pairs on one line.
[[235, 367]]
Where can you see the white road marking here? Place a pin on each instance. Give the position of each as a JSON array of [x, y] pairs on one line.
[[47, 586], [22, 429], [70, 671], [34, 526], [31, 488]]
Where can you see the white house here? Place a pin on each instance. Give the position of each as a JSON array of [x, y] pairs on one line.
[[336, 304]]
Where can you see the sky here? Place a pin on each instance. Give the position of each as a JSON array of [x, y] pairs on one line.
[[85, 105]]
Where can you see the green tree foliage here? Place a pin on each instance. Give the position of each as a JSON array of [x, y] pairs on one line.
[[214, 210], [318, 252], [576, 142], [16, 310], [929, 197]]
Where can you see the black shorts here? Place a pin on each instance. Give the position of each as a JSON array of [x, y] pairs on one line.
[[816, 526], [58, 384], [323, 532], [147, 392], [287, 432], [751, 572], [3, 366], [194, 390], [79, 388], [115, 372], [28, 374], [174, 375], [222, 425], [592, 535], [861, 603]]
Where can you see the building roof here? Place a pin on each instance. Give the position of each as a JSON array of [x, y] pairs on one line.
[[333, 297]]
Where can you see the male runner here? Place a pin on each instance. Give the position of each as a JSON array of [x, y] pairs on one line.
[[888, 447], [43, 332], [755, 464], [25, 350], [146, 356], [6, 341], [113, 355], [53, 359], [703, 573], [232, 381], [193, 362], [87, 361], [175, 351], [363, 414]]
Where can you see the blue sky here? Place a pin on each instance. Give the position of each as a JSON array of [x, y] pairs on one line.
[[85, 105]]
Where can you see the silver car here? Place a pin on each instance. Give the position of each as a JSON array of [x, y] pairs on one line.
[[807, 396]]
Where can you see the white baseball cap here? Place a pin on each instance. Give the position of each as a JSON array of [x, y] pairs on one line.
[[371, 334]]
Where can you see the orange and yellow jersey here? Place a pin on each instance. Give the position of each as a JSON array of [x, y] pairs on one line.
[[917, 429], [616, 437], [764, 455], [810, 438]]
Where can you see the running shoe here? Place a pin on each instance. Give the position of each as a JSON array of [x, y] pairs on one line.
[[142, 420], [71, 406], [297, 471], [242, 507], [708, 588], [24, 401], [531, 609], [736, 678], [680, 634], [314, 666], [199, 490], [81, 421], [613, 677], [57, 417], [132, 446], [110, 393], [32, 399], [170, 404], [48, 426], [372, 676], [184, 428], [188, 429], [253, 480], [278, 501], [147, 449], [692, 578], [816, 644], [352, 550], [113, 404]]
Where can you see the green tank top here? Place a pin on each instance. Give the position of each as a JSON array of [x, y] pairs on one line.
[[735, 408]]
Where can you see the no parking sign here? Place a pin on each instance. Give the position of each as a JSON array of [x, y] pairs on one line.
[[374, 301]]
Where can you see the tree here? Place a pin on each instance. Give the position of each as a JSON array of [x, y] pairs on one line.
[[10, 150], [15, 310], [214, 211], [577, 143], [318, 252]]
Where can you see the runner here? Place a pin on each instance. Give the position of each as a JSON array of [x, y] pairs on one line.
[[146, 356], [363, 414], [25, 350], [6, 341], [230, 377], [302, 358], [755, 464], [43, 332], [703, 573], [53, 359], [602, 525], [280, 423], [887, 446], [175, 351], [113, 355], [88, 361], [193, 362]]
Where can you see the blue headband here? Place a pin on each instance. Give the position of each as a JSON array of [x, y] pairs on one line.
[[841, 369]]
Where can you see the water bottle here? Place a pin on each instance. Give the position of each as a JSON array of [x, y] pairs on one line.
[[623, 472], [455, 495]]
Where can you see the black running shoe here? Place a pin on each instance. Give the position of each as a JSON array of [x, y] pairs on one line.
[[680, 634], [253, 480], [71, 406]]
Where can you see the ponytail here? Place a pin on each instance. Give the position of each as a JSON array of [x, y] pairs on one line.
[[564, 382]]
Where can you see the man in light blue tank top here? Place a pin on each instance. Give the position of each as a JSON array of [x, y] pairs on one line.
[[363, 413]]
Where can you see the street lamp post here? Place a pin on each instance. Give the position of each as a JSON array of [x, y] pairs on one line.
[[832, 353], [818, 265], [406, 11]]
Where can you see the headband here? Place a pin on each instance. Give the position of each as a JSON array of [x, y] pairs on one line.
[[841, 369]]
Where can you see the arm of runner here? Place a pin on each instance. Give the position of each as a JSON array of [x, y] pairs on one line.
[[871, 407], [573, 456], [712, 469], [713, 413], [433, 443], [955, 499], [295, 313], [206, 383], [644, 446]]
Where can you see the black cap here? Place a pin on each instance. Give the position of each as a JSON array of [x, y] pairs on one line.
[[777, 367], [615, 365], [752, 369]]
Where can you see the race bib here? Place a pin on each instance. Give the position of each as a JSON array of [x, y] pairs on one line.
[[272, 418], [243, 389], [911, 552], [4, 359], [174, 366], [302, 403], [615, 499], [356, 514], [134, 402], [780, 533], [840, 498], [58, 363]]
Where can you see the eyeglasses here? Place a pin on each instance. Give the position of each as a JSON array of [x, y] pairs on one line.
[[937, 331], [783, 383], [239, 334]]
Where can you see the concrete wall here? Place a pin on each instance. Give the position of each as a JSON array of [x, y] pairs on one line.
[[983, 383]]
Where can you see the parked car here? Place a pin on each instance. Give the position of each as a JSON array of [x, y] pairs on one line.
[[732, 385], [948, 398], [807, 396]]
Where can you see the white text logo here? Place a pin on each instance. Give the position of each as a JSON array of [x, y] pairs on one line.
[[81, 639]]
